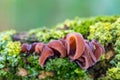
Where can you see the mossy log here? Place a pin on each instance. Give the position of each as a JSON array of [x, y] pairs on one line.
[[15, 64]]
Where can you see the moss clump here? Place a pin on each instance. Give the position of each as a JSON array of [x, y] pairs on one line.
[[102, 32], [117, 44], [64, 69], [116, 28], [82, 25], [113, 73], [5, 37], [116, 35], [13, 48], [114, 70], [46, 35]]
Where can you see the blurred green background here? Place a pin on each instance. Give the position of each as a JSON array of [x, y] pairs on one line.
[[27, 14]]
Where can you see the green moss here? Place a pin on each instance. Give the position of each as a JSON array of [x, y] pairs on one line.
[[116, 35], [13, 48], [46, 35], [64, 69], [116, 28], [117, 44], [82, 25], [33, 67], [102, 32], [113, 73], [2, 62], [5, 37], [115, 61], [114, 70]]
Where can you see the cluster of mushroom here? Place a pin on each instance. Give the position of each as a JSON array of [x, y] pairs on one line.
[[73, 45]]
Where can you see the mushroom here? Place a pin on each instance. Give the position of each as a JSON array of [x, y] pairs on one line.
[[39, 47], [99, 50], [75, 45], [83, 52], [58, 46], [87, 59], [46, 53], [24, 47]]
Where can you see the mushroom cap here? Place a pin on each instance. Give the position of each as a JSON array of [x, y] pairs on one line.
[[58, 46], [46, 53], [39, 47], [75, 45]]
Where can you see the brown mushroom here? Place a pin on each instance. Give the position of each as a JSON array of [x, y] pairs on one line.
[[75, 45], [58, 46], [99, 50], [83, 52], [24, 47], [39, 47], [46, 53]]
